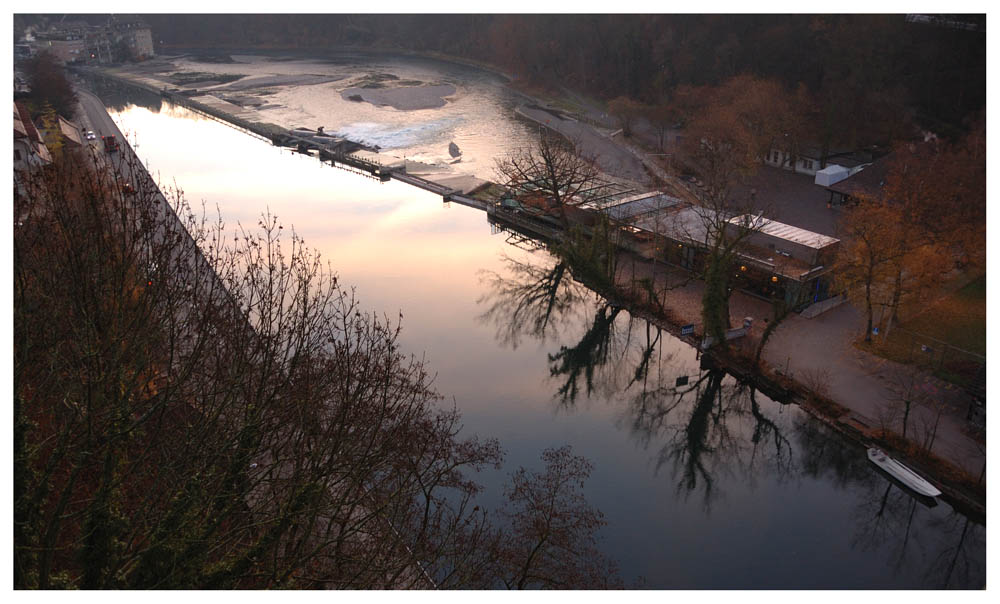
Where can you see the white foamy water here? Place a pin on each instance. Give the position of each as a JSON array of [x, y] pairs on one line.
[[432, 134], [479, 117]]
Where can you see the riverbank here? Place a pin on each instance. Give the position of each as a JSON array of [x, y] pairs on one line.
[[679, 304], [852, 390], [802, 351]]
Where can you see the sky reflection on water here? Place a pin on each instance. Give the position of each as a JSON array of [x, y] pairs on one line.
[[711, 488]]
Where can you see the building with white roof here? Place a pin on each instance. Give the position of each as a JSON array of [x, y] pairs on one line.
[[787, 240]]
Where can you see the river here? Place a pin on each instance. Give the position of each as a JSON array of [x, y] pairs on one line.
[[704, 486]]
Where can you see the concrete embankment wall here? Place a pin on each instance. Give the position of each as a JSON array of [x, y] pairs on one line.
[[814, 310], [142, 180]]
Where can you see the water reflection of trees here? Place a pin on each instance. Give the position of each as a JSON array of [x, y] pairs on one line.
[[118, 96], [946, 548], [699, 430], [587, 356], [534, 300], [716, 427]]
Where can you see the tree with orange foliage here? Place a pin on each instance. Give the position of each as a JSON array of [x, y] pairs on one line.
[[938, 192], [732, 127], [627, 111], [870, 243]]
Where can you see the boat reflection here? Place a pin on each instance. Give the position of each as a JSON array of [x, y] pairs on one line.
[[707, 431]]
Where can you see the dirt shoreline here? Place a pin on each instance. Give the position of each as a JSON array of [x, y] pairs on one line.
[[403, 98]]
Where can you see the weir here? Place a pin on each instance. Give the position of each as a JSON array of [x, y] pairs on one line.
[[332, 149]]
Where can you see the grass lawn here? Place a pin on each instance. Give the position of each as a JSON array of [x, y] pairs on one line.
[[958, 320]]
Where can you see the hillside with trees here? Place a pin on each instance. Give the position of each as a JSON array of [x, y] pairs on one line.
[[862, 69]]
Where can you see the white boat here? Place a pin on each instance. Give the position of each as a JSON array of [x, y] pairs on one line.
[[901, 473]]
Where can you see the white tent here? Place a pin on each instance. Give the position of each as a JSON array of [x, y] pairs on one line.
[[831, 174]]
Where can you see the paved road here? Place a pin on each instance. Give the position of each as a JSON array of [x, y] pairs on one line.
[[863, 382], [126, 166], [611, 158], [823, 347]]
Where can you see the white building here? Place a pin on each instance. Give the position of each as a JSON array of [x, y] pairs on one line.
[[807, 162]]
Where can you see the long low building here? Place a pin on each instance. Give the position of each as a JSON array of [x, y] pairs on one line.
[[776, 260]]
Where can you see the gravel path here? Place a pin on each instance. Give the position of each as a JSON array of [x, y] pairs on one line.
[[611, 158], [824, 347]]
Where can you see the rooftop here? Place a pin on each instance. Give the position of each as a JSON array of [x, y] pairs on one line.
[[684, 224], [70, 131], [791, 233], [634, 206], [868, 182], [19, 130]]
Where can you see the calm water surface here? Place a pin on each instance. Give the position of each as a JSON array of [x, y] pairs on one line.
[[703, 486]]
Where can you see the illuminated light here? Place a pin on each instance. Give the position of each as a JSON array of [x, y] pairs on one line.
[[680, 245], [743, 268], [774, 279]]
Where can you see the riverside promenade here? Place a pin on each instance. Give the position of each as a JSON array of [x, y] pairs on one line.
[[821, 352], [816, 352], [813, 352]]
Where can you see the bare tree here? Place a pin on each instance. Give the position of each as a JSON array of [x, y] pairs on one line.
[[552, 528], [549, 173], [725, 142], [907, 391], [662, 117], [780, 311], [725, 235], [933, 406], [198, 409]]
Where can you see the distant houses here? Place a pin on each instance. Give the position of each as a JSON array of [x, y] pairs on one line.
[[810, 160], [847, 175], [35, 143], [865, 183], [118, 40], [807, 162]]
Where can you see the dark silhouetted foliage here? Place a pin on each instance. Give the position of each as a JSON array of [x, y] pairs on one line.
[[49, 85]]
